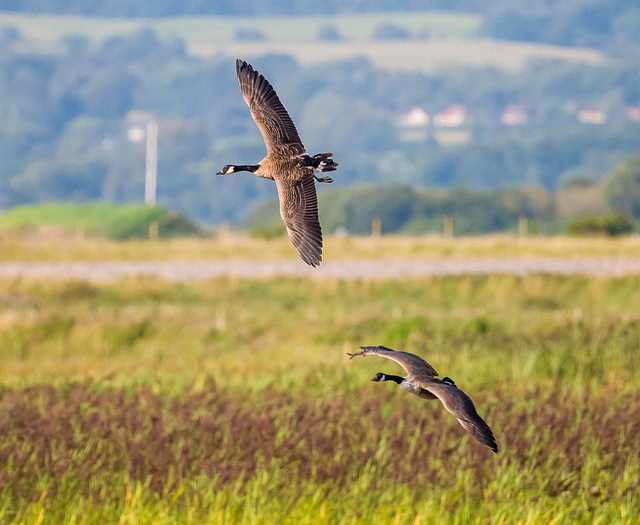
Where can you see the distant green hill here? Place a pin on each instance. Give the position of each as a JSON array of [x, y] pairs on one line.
[[113, 221]]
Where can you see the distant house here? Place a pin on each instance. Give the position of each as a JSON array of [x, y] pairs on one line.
[[514, 115], [632, 113], [592, 116], [414, 118], [452, 117]]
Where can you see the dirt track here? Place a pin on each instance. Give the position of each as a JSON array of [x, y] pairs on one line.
[[340, 269]]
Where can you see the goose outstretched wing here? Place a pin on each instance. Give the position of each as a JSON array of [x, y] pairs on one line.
[[414, 365], [461, 406], [278, 130], [299, 211]]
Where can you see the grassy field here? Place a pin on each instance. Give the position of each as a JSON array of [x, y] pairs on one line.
[[232, 401], [451, 38], [236, 246]]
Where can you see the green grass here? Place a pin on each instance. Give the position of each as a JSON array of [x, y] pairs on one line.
[[112, 221], [232, 401]]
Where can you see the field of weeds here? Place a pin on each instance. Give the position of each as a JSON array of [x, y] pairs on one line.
[[232, 401]]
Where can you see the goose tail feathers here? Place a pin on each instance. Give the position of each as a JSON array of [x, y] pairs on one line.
[[323, 162]]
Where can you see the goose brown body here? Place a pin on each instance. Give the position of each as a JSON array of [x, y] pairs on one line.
[[422, 381], [286, 163]]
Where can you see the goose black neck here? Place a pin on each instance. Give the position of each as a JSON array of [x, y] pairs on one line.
[[246, 167], [397, 379]]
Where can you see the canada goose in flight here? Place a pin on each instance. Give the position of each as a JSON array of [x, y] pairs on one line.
[[421, 381], [286, 163]]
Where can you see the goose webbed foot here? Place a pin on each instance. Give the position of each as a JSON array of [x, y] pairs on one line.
[[328, 180]]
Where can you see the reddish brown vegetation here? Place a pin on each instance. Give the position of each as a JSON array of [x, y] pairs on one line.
[[97, 434]]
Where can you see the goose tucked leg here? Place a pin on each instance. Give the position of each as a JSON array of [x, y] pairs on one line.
[[328, 180]]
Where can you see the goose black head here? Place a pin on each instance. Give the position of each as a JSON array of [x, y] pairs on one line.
[[226, 170], [379, 377]]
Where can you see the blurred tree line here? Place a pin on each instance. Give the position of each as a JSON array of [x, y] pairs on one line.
[[66, 123], [581, 206], [599, 23]]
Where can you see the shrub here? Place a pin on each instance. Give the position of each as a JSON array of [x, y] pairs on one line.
[[611, 225], [623, 187]]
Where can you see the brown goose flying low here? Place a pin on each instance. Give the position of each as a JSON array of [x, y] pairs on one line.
[[286, 163], [421, 381]]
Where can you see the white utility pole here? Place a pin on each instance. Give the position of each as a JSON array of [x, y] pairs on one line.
[[151, 172]]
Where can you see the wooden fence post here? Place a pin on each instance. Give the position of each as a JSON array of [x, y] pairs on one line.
[[224, 231], [80, 232], [448, 227], [523, 226], [154, 231], [376, 227]]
